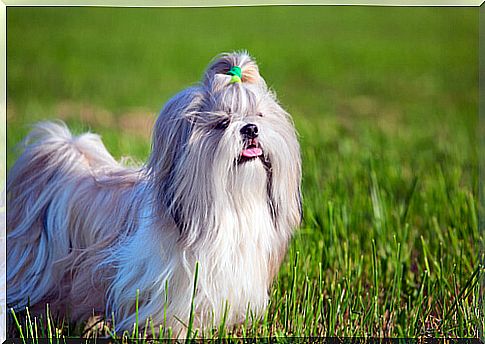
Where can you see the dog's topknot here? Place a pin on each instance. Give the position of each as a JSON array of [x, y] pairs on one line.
[[221, 65]]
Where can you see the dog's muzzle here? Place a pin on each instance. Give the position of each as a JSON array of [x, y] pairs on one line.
[[251, 148]]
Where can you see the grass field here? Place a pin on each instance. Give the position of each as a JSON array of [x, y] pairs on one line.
[[385, 101]]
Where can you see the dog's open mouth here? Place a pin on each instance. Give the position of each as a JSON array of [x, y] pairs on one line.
[[252, 150]]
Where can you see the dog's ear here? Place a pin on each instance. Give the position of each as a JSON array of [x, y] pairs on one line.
[[171, 132], [286, 175], [169, 140]]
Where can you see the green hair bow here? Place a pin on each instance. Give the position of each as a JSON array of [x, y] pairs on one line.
[[235, 71]]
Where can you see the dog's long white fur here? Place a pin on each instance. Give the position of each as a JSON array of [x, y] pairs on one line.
[[85, 232]]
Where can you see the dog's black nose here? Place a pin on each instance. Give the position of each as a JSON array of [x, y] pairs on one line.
[[250, 131]]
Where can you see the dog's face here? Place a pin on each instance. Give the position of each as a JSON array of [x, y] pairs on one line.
[[242, 126], [227, 141]]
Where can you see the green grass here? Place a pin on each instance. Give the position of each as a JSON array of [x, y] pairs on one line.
[[385, 101]]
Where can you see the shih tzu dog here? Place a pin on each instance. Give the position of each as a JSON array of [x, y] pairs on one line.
[[220, 190]]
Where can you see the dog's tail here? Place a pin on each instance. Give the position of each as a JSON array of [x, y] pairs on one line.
[[38, 185]]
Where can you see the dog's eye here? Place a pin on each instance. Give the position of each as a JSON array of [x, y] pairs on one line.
[[259, 114], [221, 125]]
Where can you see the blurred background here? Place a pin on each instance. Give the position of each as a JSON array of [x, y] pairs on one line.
[[385, 101], [406, 71]]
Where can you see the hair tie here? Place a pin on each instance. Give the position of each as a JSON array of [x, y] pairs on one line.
[[235, 71]]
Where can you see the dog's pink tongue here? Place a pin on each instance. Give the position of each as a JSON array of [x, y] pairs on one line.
[[251, 152]]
